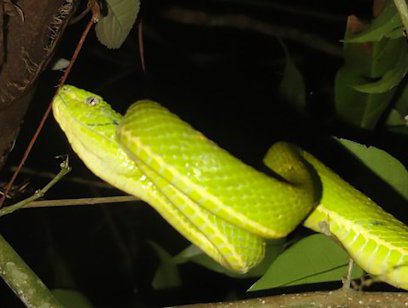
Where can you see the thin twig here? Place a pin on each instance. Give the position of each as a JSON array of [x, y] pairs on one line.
[[141, 46], [71, 179], [81, 15], [65, 168], [80, 201], [348, 279], [302, 10], [241, 21]]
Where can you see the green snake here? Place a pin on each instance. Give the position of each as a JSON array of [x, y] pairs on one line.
[[225, 207]]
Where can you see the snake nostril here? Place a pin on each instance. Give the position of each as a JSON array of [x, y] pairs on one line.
[[377, 223]]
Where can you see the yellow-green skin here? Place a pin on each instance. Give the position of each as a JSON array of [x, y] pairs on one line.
[[216, 201]]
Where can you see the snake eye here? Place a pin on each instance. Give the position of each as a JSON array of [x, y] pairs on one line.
[[92, 101]]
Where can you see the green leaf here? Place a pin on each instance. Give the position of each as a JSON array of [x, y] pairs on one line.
[[313, 259], [402, 103], [113, 29], [390, 79], [292, 87], [71, 298], [384, 25], [167, 274], [354, 107], [365, 85], [385, 166], [196, 255], [386, 63], [396, 119]]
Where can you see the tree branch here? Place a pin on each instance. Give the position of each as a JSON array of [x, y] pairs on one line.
[[339, 298], [240, 21], [28, 42], [22, 280]]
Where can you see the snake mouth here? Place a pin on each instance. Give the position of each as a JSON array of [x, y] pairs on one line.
[[72, 109], [114, 123], [77, 122]]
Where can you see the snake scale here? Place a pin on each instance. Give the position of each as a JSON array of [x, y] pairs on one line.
[[220, 204]]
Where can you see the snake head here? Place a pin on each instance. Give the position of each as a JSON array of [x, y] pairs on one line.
[[90, 125], [84, 108], [87, 120]]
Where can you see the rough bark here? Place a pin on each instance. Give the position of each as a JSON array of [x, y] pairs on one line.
[[29, 32], [339, 298]]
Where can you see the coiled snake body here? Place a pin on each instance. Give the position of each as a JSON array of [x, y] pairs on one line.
[[216, 201]]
